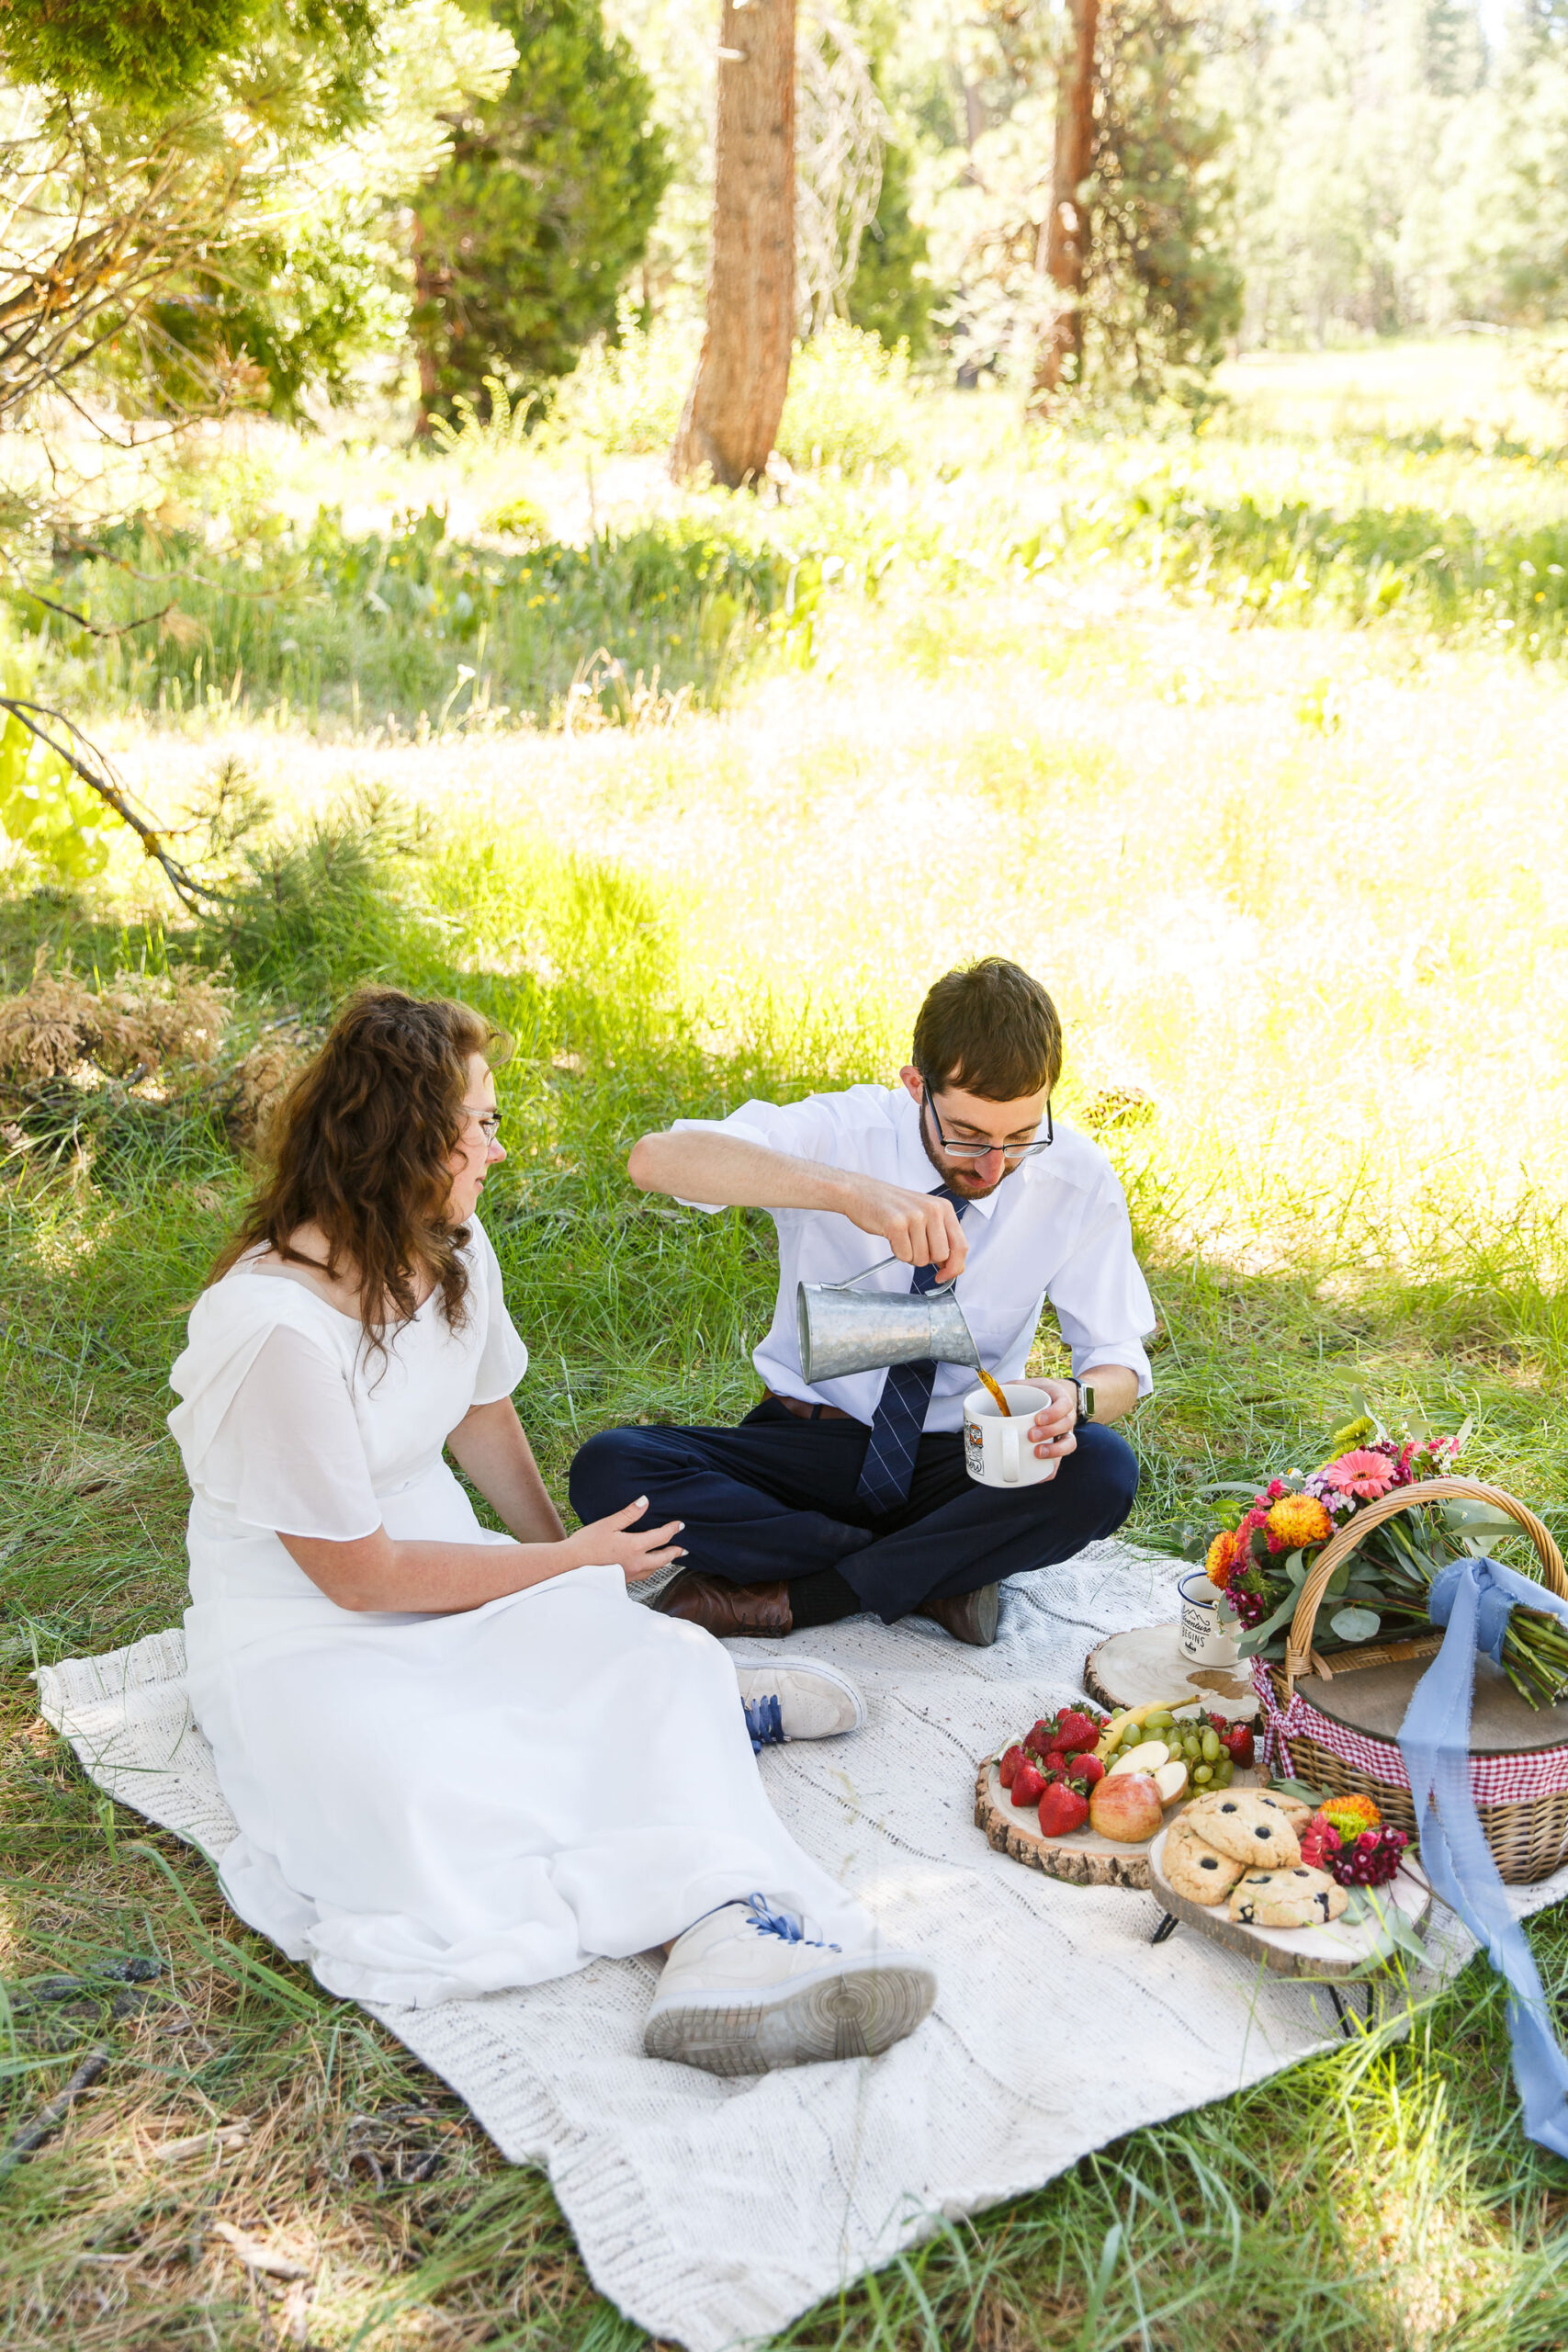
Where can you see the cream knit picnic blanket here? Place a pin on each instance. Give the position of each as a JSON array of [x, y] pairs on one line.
[[714, 2212]]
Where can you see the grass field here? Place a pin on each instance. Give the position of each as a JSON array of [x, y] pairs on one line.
[[1296, 891]]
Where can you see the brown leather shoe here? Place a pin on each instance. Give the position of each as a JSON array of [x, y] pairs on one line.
[[723, 1608], [968, 1616]]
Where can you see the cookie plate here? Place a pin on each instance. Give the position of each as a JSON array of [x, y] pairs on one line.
[[1336, 1949]]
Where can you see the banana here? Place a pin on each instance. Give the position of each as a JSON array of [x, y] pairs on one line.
[[1110, 1736]]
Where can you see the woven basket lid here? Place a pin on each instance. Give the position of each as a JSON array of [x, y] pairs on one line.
[[1373, 1700]]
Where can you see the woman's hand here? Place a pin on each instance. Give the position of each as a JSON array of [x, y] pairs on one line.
[[610, 1543]]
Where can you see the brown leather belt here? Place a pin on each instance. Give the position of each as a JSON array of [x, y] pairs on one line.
[[802, 1411]]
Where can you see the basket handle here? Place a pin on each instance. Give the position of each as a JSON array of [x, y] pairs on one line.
[[1338, 1550]]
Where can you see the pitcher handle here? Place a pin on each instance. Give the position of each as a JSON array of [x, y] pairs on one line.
[[850, 1280]]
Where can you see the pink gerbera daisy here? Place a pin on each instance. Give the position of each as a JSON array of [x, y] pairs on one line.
[[1362, 1474]]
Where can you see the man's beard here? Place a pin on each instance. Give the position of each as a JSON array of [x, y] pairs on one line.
[[965, 1186]]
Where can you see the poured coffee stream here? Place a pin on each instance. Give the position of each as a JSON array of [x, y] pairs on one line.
[[1002, 1405]]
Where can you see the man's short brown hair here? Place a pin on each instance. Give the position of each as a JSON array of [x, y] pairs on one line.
[[991, 1030]]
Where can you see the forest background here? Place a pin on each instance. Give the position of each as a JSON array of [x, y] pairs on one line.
[[1219, 679]]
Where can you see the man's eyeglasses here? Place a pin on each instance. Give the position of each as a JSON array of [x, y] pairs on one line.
[[959, 1148], [489, 1120]]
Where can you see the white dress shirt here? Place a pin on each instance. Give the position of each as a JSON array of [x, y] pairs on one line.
[[1056, 1228]]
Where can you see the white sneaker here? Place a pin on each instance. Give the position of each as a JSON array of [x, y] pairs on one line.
[[798, 1698], [750, 1987]]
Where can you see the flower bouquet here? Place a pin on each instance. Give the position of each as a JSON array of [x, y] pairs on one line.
[[1261, 1556]]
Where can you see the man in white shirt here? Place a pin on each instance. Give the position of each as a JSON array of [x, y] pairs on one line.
[[852, 1495]]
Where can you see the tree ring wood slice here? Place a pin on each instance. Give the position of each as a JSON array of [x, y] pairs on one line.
[[1147, 1663], [1083, 1857], [1338, 1950]]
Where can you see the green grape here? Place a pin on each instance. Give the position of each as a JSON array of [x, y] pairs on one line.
[[1222, 1771], [1203, 1774], [1211, 1745]]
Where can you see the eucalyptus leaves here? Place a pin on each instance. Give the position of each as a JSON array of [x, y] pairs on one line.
[[1262, 1556]]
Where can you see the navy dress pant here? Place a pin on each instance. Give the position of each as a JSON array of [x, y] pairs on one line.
[[776, 1499]]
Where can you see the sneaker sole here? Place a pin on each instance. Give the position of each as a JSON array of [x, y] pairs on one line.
[[854, 2010], [828, 1673]]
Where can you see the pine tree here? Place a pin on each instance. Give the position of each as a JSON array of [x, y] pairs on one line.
[[1161, 291], [526, 236], [889, 296]]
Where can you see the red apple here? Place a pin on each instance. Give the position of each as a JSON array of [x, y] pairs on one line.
[[1124, 1807]]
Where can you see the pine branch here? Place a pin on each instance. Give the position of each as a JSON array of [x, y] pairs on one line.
[[98, 776]]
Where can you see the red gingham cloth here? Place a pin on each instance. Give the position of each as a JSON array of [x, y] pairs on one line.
[[1494, 1779]]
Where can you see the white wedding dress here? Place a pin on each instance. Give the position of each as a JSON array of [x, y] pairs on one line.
[[436, 1806]]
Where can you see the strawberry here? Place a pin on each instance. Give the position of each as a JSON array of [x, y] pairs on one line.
[[1027, 1784], [1045, 1736], [1076, 1731], [1236, 1741], [1063, 1808], [1088, 1769], [1219, 1723], [1011, 1759]]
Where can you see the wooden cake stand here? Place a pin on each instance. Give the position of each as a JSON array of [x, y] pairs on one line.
[[1083, 1857], [1338, 1950], [1136, 1668]]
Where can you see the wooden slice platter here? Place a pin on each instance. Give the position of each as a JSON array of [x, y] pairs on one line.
[[1148, 1663], [1082, 1858], [1338, 1950]]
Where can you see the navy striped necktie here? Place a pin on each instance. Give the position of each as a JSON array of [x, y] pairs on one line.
[[901, 1416]]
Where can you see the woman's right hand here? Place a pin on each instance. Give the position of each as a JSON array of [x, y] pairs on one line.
[[607, 1541]]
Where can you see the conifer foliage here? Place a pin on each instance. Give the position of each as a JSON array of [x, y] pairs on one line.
[[527, 234], [1163, 292]]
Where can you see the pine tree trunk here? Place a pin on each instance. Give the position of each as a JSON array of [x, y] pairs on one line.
[[1066, 237], [738, 394]]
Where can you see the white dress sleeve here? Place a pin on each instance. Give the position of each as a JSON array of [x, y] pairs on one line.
[[288, 1454], [503, 1358]]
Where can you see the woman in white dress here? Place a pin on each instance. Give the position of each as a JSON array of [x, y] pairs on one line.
[[461, 1761]]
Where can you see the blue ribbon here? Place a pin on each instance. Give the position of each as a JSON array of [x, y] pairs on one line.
[[1473, 1600]]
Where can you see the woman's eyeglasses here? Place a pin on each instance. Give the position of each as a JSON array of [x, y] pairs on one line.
[[489, 1120], [959, 1148]]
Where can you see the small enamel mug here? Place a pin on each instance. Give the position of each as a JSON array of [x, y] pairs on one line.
[[1208, 1631], [997, 1451]]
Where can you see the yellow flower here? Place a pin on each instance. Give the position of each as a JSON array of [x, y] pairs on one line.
[[1353, 1433], [1220, 1560], [1298, 1520]]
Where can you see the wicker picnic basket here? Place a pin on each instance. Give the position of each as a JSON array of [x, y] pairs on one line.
[[1520, 1789]]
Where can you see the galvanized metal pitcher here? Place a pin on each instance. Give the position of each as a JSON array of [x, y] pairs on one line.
[[843, 1330]]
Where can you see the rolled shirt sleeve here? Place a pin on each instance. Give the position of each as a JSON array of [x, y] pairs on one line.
[[1103, 1302], [806, 1130]]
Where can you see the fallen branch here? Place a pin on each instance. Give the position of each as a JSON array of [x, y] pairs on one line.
[[102, 780], [48, 2119], [136, 1975]]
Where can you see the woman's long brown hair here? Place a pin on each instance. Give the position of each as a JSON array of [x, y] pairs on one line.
[[360, 1147]]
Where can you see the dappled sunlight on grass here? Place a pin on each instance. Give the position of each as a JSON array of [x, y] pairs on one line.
[[1297, 893]]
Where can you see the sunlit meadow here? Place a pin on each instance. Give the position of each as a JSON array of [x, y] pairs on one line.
[[1291, 863]]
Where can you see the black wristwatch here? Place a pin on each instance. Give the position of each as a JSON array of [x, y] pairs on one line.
[[1086, 1402]]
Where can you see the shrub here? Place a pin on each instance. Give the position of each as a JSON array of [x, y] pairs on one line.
[[849, 402]]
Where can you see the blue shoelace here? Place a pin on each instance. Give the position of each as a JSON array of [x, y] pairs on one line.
[[764, 1720], [788, 1926]]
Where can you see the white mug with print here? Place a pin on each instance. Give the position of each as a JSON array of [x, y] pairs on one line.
[[997, 1452]]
